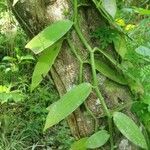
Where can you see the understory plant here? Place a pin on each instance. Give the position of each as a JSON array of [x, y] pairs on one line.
[[22, 114]]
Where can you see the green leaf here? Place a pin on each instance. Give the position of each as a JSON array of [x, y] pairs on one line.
[[109, 72], [110, 58], [135, 85], [98, 139], [27, 57], [44, 64], [9, 59], [129, 129], [80, 144], [142, 50], [141, 11], [4, 97], [67, 104], [110, 6], [49, 36], [16, 96], [4, 89], [120, 45]]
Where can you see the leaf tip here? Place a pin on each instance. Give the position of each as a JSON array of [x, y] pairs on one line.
[[44, 129], [32, 88]]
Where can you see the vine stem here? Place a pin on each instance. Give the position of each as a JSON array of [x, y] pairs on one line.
[[81, 63], [101, 99], [95, 82]]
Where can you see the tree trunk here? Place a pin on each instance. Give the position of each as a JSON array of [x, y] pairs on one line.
[[33, 16]]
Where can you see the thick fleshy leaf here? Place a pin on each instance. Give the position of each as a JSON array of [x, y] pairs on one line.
[[80, 144], [109, 72], [129, 129], [110, 6], [49, 36], [67, 104], [44, 64], [120, 45], [98, 139], [142, 50]]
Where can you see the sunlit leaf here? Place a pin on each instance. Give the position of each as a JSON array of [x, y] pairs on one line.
[[27, 57], [120, 45], [15, 2], [4, 88], [109, 72], [120, 22], [129, 27], [9, 59], [110, 6], [67, 104], [80, 144], [142, 50], [44, 64], [129, 129], [98, 139], [49, 36]]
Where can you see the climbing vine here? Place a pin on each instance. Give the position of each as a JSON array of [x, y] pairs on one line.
[[48, 44]]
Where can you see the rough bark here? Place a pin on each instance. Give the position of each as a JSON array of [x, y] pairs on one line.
[[33, 16]]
